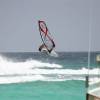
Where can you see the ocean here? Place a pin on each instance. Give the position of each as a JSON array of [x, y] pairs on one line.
[[35, 76]]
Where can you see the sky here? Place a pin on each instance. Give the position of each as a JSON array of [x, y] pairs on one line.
[[71, 23]]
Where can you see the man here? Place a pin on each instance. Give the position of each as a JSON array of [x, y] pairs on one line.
[[45, 47]]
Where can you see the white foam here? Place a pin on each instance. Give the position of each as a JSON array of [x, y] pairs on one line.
[[32, 70], [9, 67], [30, 78], [18, 79]]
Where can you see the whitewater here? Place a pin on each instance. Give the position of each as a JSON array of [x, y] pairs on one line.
[[33, 69]]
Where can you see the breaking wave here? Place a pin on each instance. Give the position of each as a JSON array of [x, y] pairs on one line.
[[34, 70]]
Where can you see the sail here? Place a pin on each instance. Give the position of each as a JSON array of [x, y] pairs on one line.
[[46, 36]]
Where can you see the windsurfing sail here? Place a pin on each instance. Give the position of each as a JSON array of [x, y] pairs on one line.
[[48, 43]]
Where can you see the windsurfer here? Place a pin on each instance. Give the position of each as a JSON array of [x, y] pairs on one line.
[[42, 46], [46, 48]]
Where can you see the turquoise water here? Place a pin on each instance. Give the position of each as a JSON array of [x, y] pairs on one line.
[[67, 90]]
